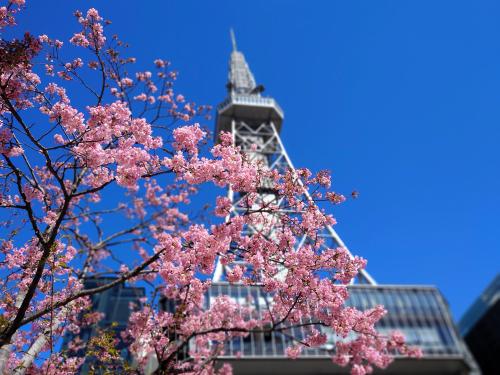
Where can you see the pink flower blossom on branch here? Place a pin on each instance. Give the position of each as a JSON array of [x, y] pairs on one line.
[[106, 188]]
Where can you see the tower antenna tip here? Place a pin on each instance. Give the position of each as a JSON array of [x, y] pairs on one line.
[[233, 39]]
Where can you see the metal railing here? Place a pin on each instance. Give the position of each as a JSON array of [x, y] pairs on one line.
[[251, 100]]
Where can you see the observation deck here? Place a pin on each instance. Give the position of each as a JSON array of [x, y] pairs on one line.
[[250, 108]]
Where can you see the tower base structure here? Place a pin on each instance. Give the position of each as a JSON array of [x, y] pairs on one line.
[[419, 312]]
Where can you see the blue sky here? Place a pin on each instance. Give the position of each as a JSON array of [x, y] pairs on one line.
[[400, 99]]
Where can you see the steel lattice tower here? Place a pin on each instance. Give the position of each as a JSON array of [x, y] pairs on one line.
[[419, 311], [255, 123]]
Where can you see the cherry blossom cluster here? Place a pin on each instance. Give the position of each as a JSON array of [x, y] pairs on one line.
[[8, 11]]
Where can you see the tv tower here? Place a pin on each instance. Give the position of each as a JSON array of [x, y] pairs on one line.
[[420, 312], [255, 123]]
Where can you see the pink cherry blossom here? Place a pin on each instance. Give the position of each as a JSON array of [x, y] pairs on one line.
[[188, 137], [223, 206]]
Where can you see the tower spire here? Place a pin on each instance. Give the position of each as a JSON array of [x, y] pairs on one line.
[[241, 79]]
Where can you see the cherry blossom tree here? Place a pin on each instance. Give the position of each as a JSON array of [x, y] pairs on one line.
[[100, 183]]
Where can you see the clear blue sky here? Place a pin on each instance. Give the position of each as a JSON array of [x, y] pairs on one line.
[[400, 99]]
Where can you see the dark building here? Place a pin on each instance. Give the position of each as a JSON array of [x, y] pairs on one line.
[[114, 304], [480, 327]]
